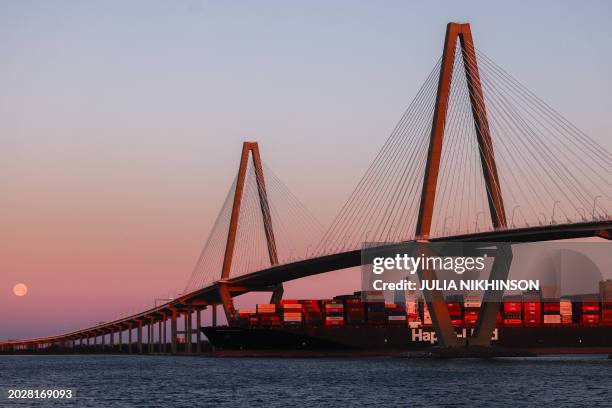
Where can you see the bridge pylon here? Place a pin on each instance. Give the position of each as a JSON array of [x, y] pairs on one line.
[[435, 299], [248, 149]]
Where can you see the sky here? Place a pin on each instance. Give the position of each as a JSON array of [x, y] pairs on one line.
[[121, 124]]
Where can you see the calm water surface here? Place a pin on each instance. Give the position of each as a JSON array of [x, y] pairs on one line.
[[159, 381]]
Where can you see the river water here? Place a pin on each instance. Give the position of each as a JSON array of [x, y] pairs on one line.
[[164, 381]]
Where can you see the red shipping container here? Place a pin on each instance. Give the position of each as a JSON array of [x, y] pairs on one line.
[[590, 320], [531, 306], [512, 322], [552, 307], [512, 306], [334, 321]]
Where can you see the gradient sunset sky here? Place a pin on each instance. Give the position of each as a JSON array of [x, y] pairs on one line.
[[121, 124]]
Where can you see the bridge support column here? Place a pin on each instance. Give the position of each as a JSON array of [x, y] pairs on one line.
[[214, 315], [139, 337], [103, 342], [173, 339], [165, 333], [198, 331], [159, 335], [228, 303], [190, 330], [436, 304], [277, 295], [151, 335], [112, 341], [440, 316], [121, 339], [187, 326], [129, 345], [492, 299]]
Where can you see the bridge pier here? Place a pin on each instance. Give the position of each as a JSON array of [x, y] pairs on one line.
[[173, 339], [165, 333], [277, 294], [214, 315], [151, 334], [186, 319], [436, 304], [153, 323], [492, 299], [188, 333], [227, 301], [199, 331], [120, 339], [159, 336], [139, 337], [112, 340], [129, 345]]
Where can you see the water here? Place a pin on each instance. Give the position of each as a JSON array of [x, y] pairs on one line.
[[160, 381]]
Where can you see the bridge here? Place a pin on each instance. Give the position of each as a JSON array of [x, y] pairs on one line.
[[473, 143]]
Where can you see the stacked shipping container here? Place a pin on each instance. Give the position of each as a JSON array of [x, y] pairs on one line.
[[551, 309], [334, 313], [589, 310], [512, 311], [471, 307], [516, 310], [292, 312], [565, 310], [532, 310], [605, 294], [396, 314], [267, 315], [354, 311], [312, 313]]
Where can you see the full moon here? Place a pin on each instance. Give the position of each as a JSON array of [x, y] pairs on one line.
[[20, 289]]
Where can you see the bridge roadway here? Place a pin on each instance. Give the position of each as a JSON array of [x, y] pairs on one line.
[[266, 279]]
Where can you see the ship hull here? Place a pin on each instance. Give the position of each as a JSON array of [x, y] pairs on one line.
[[578, 339]]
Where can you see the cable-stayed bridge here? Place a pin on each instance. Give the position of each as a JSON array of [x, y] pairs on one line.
[[476, 157]]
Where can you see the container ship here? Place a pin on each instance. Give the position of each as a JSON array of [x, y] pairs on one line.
[[579, 323]]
